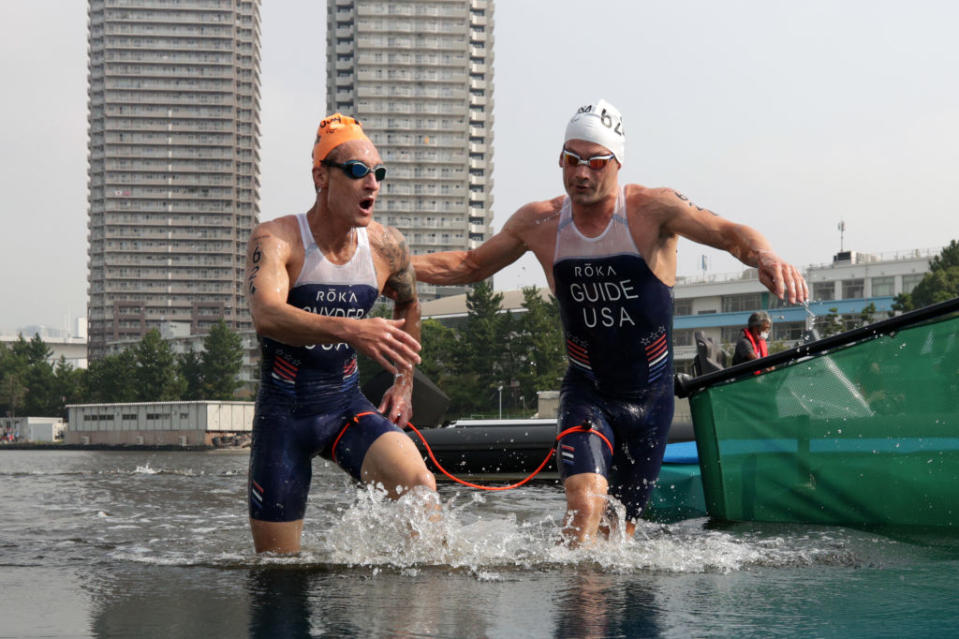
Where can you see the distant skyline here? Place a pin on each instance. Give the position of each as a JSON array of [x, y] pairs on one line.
[[789, 117]]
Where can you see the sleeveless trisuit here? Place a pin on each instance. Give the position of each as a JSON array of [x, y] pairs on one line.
[[617, 319], [309, 395]]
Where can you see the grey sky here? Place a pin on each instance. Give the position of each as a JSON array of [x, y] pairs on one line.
[[785, 116]]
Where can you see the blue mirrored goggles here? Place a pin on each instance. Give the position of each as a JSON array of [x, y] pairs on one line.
[[357, 170]]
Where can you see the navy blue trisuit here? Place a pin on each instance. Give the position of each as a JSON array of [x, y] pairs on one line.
[[617, 320], [309, 396]]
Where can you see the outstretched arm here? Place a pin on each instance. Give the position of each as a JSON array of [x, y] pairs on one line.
[[401, 288], [267, 288], [682, 217], [462, 267]]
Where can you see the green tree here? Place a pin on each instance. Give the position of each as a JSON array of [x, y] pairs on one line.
[[42, 397], [156, 370], [438, 354], [13, 388], [30, 386], [829, 324], [941, 283], [191, 372], [68, 382], [112, 378], [12, 393], [541, 340], [33, 352], [867, 315], [476, 361], [221, 361]]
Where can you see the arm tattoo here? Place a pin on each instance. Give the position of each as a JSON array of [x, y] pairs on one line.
[[402, 279], [690, 204], [255, 258], [394, 249], [403, 284]]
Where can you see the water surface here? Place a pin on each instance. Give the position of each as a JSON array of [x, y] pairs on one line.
[[156, 544]]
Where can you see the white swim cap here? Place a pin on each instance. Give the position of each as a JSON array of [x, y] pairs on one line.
[[601, 123]]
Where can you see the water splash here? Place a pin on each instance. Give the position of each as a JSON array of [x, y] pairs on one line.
[[145, 470], [810, 316], [377, 533]]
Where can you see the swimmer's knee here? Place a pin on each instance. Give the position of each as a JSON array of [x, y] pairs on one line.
[[586, 505], [586, 492], [416, 479], [427, 479]]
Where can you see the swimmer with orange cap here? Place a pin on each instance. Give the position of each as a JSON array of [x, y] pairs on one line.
[[609, 254], [311, 281]]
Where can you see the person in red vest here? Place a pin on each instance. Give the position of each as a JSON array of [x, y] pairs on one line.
[[752, 345]]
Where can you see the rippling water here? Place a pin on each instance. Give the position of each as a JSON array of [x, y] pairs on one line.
[[156, 544]]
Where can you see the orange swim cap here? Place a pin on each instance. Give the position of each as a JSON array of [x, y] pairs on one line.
[[333, 131]]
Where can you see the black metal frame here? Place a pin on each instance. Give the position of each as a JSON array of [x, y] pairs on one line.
[[686, 386]]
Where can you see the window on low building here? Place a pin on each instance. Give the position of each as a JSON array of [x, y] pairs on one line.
[[787, 331], [853, 289], [823, 291], [883, 286], [741, 302]]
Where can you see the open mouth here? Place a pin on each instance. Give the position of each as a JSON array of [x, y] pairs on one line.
[[367, 205]]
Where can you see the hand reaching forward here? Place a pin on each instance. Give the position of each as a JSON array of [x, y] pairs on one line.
[[385, 341], [783, 279]]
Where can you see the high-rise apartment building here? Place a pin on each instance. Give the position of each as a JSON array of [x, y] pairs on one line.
[[418, 74], [174, 103]]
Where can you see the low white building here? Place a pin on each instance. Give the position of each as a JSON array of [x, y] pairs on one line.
[[719, 306], [157, 423], [33, 429]]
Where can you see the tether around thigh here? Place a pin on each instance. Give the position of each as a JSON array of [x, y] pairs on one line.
[[356, 436], [585, 439]]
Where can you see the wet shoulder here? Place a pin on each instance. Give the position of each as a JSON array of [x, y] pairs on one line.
[[536, 218], [648, 199], [284, 229], [283, 234]]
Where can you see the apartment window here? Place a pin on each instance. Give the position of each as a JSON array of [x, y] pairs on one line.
[[823, 291], [883, 286], [739, 303], [683, 307], [853, 289], [683, 337]]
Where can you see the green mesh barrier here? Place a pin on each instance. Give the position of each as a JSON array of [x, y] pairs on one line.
[[867, 434]]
